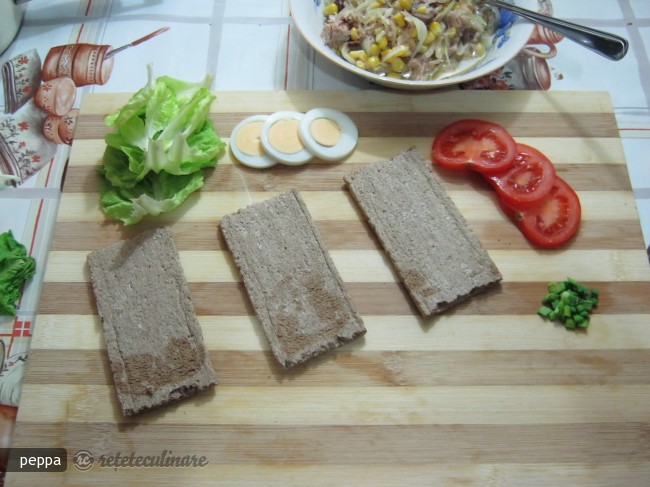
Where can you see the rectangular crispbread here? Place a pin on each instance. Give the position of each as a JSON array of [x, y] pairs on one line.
[[438, 258], [297, 293], [153, 338]]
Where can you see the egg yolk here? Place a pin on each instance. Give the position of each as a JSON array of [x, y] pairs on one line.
[[325, 131], [249, 139], [283, 135]]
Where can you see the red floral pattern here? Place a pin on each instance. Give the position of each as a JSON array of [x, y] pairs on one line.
[[22, 79], [26, 158]]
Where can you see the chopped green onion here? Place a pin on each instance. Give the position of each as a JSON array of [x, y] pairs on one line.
[[570, 303]]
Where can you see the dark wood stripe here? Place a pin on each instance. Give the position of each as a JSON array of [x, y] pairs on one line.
[[421, 124], [409, 124], [329, 177], [373, 369], [474, 444], [507, 298]]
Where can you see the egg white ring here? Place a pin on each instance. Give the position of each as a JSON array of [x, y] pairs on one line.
[[297, 158], [262, 161], [345, 145]]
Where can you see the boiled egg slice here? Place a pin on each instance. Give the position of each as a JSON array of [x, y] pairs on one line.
[[246, 143], [329, 134], [281, 141]]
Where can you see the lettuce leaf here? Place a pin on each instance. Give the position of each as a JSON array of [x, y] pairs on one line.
[[153, 195], [163, 130], [15, 268]]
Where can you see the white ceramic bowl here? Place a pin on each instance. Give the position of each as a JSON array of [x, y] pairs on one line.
[[512, 36]]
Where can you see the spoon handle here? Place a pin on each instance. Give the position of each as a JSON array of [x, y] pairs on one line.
[[112, 53], [608, 45]]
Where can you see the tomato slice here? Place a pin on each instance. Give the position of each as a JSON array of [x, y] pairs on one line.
[[482, 146], [527, 181], [550, 222]]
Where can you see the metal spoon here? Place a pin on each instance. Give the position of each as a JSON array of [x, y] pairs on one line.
[[136, 42], [608, 45]]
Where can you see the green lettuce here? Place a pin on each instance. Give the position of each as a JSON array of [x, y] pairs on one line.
[[153, 195], [162, 142], [15, 268]]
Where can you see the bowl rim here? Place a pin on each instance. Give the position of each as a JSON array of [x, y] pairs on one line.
[[322, 49]]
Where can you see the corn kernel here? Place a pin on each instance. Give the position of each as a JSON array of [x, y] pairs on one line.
[[373, 50], [359, 54], [360, 65], [422, 9], [429, 38], [382, 43], [354, 34], [406, 4], [435, 28], [373, 61], [479, 50], [399, 19], [375, 5], [394, 75], [397, 65], [331, 9], [414, 33]]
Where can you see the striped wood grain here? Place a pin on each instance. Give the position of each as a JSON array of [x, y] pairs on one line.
[[486, 394]]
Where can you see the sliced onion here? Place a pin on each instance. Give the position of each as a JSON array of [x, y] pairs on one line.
[[421, 29]]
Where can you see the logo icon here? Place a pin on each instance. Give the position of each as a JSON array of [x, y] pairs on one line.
[[83, 460]]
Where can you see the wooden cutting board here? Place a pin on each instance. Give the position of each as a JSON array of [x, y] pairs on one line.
[[488, 394]]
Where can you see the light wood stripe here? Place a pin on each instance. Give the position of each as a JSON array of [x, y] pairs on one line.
[[373, 101], [88, 152], [356, 406], [450, 333], [389, 474], [337, 235], [374, 266], [569, 446], [328, 205]]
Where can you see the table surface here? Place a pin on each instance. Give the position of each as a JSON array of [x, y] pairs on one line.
[[278, 59]]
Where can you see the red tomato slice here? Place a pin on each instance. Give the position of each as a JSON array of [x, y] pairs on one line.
[[482, 146], [527, 181], [552, 221]]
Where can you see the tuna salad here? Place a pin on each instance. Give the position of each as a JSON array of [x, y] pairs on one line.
[[409, 39]]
